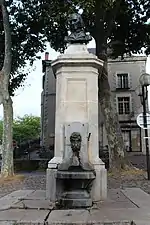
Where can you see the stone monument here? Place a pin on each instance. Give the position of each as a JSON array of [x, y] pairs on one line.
[[76, 176]]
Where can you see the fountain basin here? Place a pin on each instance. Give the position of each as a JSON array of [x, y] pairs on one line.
[[76, 188], [76, 199], [88, 175]]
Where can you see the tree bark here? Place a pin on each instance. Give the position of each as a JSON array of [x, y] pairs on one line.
[[111, 121], [7, 168], [5, 99], [114, 134]]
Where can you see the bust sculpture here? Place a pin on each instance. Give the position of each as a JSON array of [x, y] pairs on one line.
[[75, 142], [77, 29], [75, 160]]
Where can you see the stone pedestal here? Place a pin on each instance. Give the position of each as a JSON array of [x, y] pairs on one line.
[[77, 74]]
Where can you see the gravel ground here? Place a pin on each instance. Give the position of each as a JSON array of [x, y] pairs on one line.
[[37, 181], [127, 181]]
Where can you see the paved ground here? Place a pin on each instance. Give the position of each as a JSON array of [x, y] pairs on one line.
[[119, 204], [26, 207]]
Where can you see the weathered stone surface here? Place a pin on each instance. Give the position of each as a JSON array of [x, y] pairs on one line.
[[141, 222], [116, 199], [77, 104], [99, 186], [75, 175], [51, 185], [78, 194], [80, 130], [75, 203], [115, 205], [68, 217], [37, 217], [18, 194], [7, 203], [116, 194], [138, 197], [33, 204], [38, 194], [117, 215], [12, 214], [75, 199], [80, 217], [77, 84], [7, 222]]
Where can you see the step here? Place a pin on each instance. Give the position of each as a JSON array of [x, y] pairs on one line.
[[72, 203], [88, 175]]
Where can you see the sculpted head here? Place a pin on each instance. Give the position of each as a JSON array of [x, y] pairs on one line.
[[75, 22], [75, 140]]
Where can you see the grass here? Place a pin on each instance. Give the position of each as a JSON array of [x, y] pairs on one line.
[[11, 179], [127, 173]]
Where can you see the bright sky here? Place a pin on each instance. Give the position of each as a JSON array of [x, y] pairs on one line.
[[28, 99]]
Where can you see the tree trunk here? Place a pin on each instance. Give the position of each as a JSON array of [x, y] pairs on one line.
[[5, 99], [111, 121], [114, 135], [112, 126], [7, 168]]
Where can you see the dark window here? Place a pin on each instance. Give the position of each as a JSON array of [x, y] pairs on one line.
[[123, 105], [122, 80]]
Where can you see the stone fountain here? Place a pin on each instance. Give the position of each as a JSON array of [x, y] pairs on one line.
[[76, 176]]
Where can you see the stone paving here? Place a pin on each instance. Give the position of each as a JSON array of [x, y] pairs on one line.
[[30, 207], [24, 207]]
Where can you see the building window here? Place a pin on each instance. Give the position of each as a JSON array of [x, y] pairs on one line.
[[123, 105], [122, 81]]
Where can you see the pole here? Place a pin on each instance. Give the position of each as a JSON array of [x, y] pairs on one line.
[[146, 132]]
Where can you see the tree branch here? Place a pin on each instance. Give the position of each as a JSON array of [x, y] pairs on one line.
[[112, 17], [8, 44]]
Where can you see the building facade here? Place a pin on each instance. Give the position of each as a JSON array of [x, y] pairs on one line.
[[123, 75], [48, 99]]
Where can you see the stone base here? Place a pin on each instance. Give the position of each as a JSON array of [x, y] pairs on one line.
[[99, 186], [76, 199], [76, 203], [51, 184]]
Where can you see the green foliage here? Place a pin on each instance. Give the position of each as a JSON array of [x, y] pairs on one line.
[[27, 38], [123, 21], [36, 21], [24, 128]]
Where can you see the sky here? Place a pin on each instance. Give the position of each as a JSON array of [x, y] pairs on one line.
[[27, 100]]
